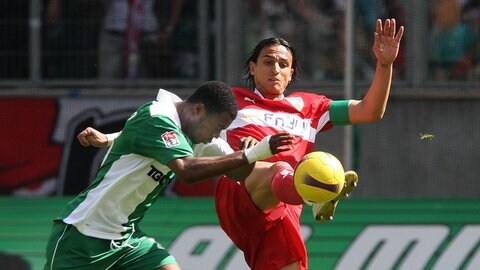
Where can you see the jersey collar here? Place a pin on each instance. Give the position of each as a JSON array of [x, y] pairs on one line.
[[256, 91]]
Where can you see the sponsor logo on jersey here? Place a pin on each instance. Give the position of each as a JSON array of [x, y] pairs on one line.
[[292, 123], [155, 174], [249, 99], [170, 139]]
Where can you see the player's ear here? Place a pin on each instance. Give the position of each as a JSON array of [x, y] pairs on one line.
[[199, 109], [251, 66]]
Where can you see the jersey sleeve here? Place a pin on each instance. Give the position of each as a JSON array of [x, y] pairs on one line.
[[159, 138], [111, 137], [339, 112], [218, 147]]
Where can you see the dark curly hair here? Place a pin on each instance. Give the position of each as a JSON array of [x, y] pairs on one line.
[[217, 97]]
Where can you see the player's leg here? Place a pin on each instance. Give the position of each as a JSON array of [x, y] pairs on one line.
[[324, 212], [266, 241], [270, 183], [281, 245], [67, 247], [257, 185]]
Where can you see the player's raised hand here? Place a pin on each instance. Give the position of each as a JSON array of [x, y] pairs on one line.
[[92, 137], [387, 41]]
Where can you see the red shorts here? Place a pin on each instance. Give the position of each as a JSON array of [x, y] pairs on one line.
[[269, 241]]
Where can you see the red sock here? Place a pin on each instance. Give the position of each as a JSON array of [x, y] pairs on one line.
[[282, 185]]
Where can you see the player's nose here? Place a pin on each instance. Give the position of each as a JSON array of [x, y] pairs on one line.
[[276, 68]]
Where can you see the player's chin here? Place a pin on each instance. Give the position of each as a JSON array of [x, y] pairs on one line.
[[278, 88]]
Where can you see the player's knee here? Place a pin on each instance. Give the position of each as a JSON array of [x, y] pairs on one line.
[[279, 165]]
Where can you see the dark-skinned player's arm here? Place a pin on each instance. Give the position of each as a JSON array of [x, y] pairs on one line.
[[271, 145], [194, 169], [219, 147]]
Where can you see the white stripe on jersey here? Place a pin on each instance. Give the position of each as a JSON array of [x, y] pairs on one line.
[[281, 121], [108, 205]]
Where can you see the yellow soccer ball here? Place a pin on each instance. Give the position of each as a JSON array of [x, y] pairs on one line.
[[319, 177]]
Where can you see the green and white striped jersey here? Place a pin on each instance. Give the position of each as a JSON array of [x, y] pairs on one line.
[[133, 173]]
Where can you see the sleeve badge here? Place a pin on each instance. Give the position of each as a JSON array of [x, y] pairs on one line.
[[170, 139]]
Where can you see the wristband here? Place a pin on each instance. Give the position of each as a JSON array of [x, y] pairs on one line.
[[111, 137], [259, 151]]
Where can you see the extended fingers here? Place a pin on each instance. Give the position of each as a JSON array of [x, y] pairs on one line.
[[399, 35], [391, 27], [387, 28], [284, 136], [378, 26], [247, 142], [287, 142], [281, 142]]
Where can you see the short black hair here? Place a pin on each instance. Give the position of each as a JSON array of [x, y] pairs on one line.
[[272, 41], [217, 97]]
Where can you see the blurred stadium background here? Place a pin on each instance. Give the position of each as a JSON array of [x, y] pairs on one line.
[[51, 88]]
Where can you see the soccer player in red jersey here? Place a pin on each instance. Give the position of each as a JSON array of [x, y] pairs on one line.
[[261, 214]]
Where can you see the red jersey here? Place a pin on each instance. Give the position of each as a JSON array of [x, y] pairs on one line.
[[301, 114]]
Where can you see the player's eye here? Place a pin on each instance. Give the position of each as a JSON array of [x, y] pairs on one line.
[[268, 62], [284, 65]]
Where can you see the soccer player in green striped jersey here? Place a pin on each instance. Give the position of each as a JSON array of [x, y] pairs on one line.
[[99, 228]]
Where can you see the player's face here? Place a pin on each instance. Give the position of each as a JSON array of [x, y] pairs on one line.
[[208, 126], [273, 71]]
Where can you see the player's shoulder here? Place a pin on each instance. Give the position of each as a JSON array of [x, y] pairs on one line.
[[245, 97], [308, 97], [304, 99]]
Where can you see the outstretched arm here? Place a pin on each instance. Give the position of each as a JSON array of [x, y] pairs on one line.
[[386, 46], [237, 165]]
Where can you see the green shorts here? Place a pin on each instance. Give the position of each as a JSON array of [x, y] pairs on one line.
[[67, 248]]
